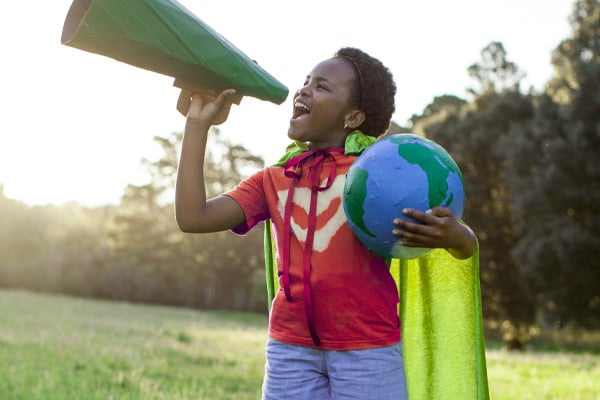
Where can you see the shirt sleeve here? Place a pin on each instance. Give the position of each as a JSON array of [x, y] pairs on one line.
[[250, 195]]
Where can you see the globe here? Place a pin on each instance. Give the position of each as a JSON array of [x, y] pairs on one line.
[[399, 171]]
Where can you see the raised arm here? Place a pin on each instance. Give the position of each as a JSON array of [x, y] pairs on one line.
[[193, 212]]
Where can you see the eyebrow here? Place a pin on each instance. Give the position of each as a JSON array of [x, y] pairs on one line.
[[318, 78]]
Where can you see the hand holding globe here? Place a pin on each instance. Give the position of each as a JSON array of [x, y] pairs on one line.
[[404, 195], [437, 228]]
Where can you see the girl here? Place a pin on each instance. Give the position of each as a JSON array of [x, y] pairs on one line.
[[334, 331]]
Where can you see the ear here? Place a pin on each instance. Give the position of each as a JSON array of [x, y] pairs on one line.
[[354, 119]]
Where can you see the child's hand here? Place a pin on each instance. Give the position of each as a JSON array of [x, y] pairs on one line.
[[205, 108], [439, 228]]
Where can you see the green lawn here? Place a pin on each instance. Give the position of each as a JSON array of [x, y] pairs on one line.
[[538, 375], [54, 347]]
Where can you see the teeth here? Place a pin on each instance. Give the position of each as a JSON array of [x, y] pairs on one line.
[[303, 106]]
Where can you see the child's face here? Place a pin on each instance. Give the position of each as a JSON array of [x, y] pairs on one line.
[[323, 103]]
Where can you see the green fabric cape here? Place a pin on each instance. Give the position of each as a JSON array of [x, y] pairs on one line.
[[440, 309]]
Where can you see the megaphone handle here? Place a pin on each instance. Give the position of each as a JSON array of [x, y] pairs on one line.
[[185, 98], [235, 99]]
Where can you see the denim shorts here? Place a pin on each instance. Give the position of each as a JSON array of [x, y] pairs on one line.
[[298, 373]]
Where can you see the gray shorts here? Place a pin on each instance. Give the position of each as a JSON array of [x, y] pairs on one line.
[[298, 373]]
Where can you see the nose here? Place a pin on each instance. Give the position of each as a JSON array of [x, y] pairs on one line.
[[301, 92]]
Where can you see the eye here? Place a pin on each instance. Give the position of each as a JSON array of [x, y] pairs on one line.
[[324, 87]]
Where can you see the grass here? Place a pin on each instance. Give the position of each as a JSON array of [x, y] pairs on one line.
[[55, 347], [543, 375]]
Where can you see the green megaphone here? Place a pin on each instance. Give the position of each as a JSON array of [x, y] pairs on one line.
[[164, 37]]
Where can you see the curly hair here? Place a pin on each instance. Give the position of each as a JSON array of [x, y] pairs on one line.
[[374, 92]]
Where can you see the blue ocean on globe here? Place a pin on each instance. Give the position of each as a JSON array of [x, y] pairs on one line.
[[399, 171]]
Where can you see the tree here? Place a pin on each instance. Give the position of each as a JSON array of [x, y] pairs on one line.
[[554, 170], [494, 72], [576, 59], [50, 248], [471, 134], [442, 107], [162, 264], [21, 243]]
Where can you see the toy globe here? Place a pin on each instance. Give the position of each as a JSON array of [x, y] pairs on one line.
[[397, 172]]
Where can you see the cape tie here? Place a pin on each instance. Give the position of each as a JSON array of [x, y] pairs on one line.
[[293, 169]]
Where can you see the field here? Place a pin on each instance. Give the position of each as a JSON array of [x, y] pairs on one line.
[[55, 347]]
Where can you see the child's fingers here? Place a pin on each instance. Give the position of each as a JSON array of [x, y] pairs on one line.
[[195, 107], [183, 102], [422, 216], [430, 216], [206, 106], [405, 228], [225, 94], [412, 238], [419, 233], [224, 102], [439, 211]]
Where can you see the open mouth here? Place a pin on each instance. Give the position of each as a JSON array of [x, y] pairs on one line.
[[300, 109]]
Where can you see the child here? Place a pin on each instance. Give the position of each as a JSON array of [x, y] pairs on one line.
[[334, 330]]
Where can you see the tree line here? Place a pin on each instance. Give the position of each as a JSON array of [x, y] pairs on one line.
[[134, 251], [531, 165]]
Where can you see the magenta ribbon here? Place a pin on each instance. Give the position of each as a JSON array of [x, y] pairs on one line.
[[293, 170]]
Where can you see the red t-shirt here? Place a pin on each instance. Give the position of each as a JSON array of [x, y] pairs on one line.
[[354, 296]]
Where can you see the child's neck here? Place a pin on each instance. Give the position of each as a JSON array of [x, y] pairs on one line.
[[338, 142]]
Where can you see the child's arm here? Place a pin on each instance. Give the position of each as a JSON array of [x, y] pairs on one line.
[[194, 213], [439, 229]]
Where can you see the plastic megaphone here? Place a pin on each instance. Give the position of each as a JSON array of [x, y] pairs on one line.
[[164, 37]]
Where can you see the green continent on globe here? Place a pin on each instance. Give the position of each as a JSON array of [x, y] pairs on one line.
[[355, 201], [417, 154]]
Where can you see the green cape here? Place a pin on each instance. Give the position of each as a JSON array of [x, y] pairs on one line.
[[442, 325]]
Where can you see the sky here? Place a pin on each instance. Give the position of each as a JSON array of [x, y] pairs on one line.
[[74, 126]]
